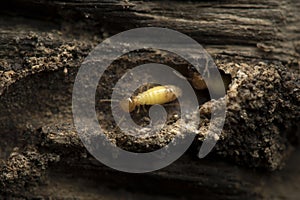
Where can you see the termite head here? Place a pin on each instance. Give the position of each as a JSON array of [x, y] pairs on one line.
[[198, 82], [127, 105]]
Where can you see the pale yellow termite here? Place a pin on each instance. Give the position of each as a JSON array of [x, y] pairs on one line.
[[156, 95]]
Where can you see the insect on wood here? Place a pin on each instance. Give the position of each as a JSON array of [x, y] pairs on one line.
[[156, 95]]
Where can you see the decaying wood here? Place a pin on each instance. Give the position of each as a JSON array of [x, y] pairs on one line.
[[256, 43], [247, 28], [72, 172]]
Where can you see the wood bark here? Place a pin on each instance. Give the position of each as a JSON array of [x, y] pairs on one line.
[[42, 45]]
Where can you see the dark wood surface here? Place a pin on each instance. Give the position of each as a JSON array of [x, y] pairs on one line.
[[40, 40]]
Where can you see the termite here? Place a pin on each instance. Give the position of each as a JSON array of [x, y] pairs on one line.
[[156, 95], [199, 84], [196, 80]]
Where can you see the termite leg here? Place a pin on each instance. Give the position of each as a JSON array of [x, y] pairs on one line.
[[144, 108], [108, 100], [121, 121], [138, 110], [172, 104]]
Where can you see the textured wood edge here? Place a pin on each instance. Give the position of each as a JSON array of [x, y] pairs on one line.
[[10, 75]]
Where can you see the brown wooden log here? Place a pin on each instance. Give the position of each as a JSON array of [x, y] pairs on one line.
[[247, 28], [43, 43]]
